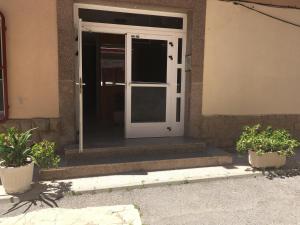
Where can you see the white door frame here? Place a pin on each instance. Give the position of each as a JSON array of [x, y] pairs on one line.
[[80, 84], [174, 34]]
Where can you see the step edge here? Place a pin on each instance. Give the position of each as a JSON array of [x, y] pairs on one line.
[[109, 169], [134, 162], [121, 148]]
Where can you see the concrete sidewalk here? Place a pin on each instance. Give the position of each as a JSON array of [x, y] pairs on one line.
[[108, 215], [60, 188]]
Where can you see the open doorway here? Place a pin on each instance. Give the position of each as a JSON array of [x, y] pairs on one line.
[[103, 69]]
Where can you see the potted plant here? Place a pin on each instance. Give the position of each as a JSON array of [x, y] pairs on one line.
[[18, 154], [44, 155], [16, 164], [266, 147]]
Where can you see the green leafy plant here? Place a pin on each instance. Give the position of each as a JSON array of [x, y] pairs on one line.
[[262, 141], [44, 155], [15, 149]]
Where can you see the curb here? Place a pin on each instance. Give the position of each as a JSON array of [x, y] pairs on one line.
[[8, 199], [161, 183]]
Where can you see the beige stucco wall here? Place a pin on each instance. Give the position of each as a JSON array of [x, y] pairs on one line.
[[252, 62], [32, 56]]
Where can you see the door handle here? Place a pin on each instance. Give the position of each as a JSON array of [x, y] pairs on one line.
[[80, 84]]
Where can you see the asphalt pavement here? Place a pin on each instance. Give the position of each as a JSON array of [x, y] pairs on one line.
[[263, 200]]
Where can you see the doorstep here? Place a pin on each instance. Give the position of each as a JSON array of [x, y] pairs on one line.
[[117, 182], [127, 160]]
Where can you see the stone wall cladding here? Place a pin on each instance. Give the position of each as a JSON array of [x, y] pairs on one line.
[[66, 65], [223, 131], [47, 129]]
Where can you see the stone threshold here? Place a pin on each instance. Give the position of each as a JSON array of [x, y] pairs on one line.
[[94, 185]]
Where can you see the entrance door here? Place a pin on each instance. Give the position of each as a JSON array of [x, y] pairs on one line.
[[150, 61]]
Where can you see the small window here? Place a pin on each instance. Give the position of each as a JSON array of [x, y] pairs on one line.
[[3, 70], [122, 18], [179, 80], [178, 109], [179, 51]]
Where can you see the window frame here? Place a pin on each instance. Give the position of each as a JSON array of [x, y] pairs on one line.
[[3, 67]]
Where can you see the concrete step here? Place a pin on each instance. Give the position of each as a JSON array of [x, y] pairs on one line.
[[159, 160], [134, 149]]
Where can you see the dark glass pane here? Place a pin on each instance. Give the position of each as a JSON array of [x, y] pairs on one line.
[[178, 109], [178, 80], [149, 60], [99, 16], [1, 96], [180, 51], [148, 104]]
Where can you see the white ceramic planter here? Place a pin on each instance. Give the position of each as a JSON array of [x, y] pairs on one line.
[[17, 179], [267, 160]]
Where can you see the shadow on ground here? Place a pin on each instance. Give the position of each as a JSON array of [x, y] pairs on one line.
[[291, 169], [281, 173], [41, 193]]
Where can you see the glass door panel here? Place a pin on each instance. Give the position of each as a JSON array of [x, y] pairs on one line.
[[149, 69], [149, 60], [148, 104]]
